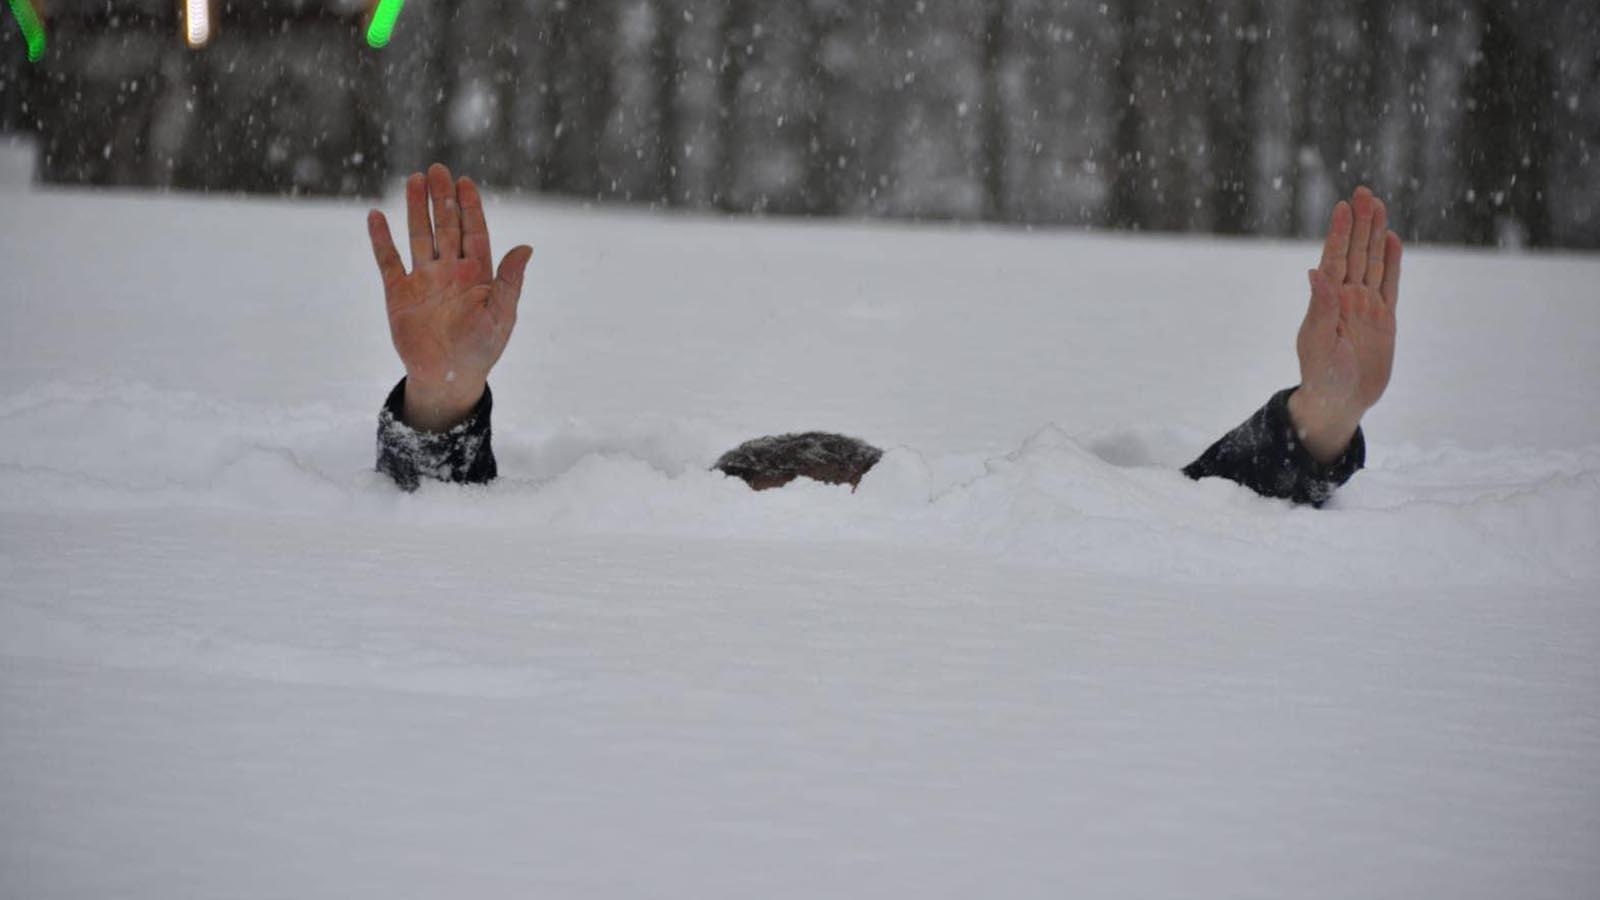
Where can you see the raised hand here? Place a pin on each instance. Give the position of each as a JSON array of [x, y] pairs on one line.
[[1346, 343], [452, 314]]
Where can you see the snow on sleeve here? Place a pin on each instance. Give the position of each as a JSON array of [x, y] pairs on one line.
[[463, 455], [1266, 455]]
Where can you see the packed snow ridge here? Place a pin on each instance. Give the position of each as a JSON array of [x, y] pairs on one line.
[[1109, 504]]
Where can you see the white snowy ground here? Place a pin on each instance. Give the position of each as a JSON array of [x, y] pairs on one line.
[[1026, 659]]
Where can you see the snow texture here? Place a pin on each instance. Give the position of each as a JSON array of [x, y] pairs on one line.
[[1026, 658]]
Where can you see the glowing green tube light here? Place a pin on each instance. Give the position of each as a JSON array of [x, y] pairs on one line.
[[382, 27], [32, 28]]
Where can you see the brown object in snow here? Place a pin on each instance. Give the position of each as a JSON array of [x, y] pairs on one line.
[[776, 460]]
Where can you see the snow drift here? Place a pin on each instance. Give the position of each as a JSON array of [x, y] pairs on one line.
[[1026, 658]]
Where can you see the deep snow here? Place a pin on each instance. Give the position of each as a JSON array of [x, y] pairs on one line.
[[1026, 659]]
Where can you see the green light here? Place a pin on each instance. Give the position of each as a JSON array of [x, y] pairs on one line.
[[382, 27], [32, 28]]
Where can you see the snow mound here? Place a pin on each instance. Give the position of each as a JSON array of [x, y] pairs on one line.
[[1432, 517]]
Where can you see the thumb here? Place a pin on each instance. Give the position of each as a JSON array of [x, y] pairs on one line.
[[508, 280], [508, 285]]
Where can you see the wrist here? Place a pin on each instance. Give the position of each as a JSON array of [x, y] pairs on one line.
[[1323, 426], [440, 406]]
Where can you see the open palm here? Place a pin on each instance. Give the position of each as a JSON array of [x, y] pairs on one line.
[[1346, 343], [452, 314]]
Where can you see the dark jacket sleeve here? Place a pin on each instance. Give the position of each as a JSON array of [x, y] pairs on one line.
[[1265, 455], [463, 454]]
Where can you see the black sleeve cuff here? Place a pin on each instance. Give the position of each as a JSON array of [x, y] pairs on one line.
[[1266, 455], [463, 455]]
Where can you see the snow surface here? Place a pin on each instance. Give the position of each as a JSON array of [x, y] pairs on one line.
[[1026, 659]]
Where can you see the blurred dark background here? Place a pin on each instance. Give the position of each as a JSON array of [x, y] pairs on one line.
[[1479, 119]]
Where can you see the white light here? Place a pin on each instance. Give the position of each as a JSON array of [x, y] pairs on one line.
[[197, 22]]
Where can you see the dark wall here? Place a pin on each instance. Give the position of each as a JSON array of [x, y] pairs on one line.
[[14, 70], [284, 100], [1478, 118]]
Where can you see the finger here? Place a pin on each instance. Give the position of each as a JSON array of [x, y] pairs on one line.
[[383, 249], [418, 225], [1391, 270], [1337, 246], [446, 213], [1323, 312], [1380, 232], [1356, 263], [474, 226], [508, 281]]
